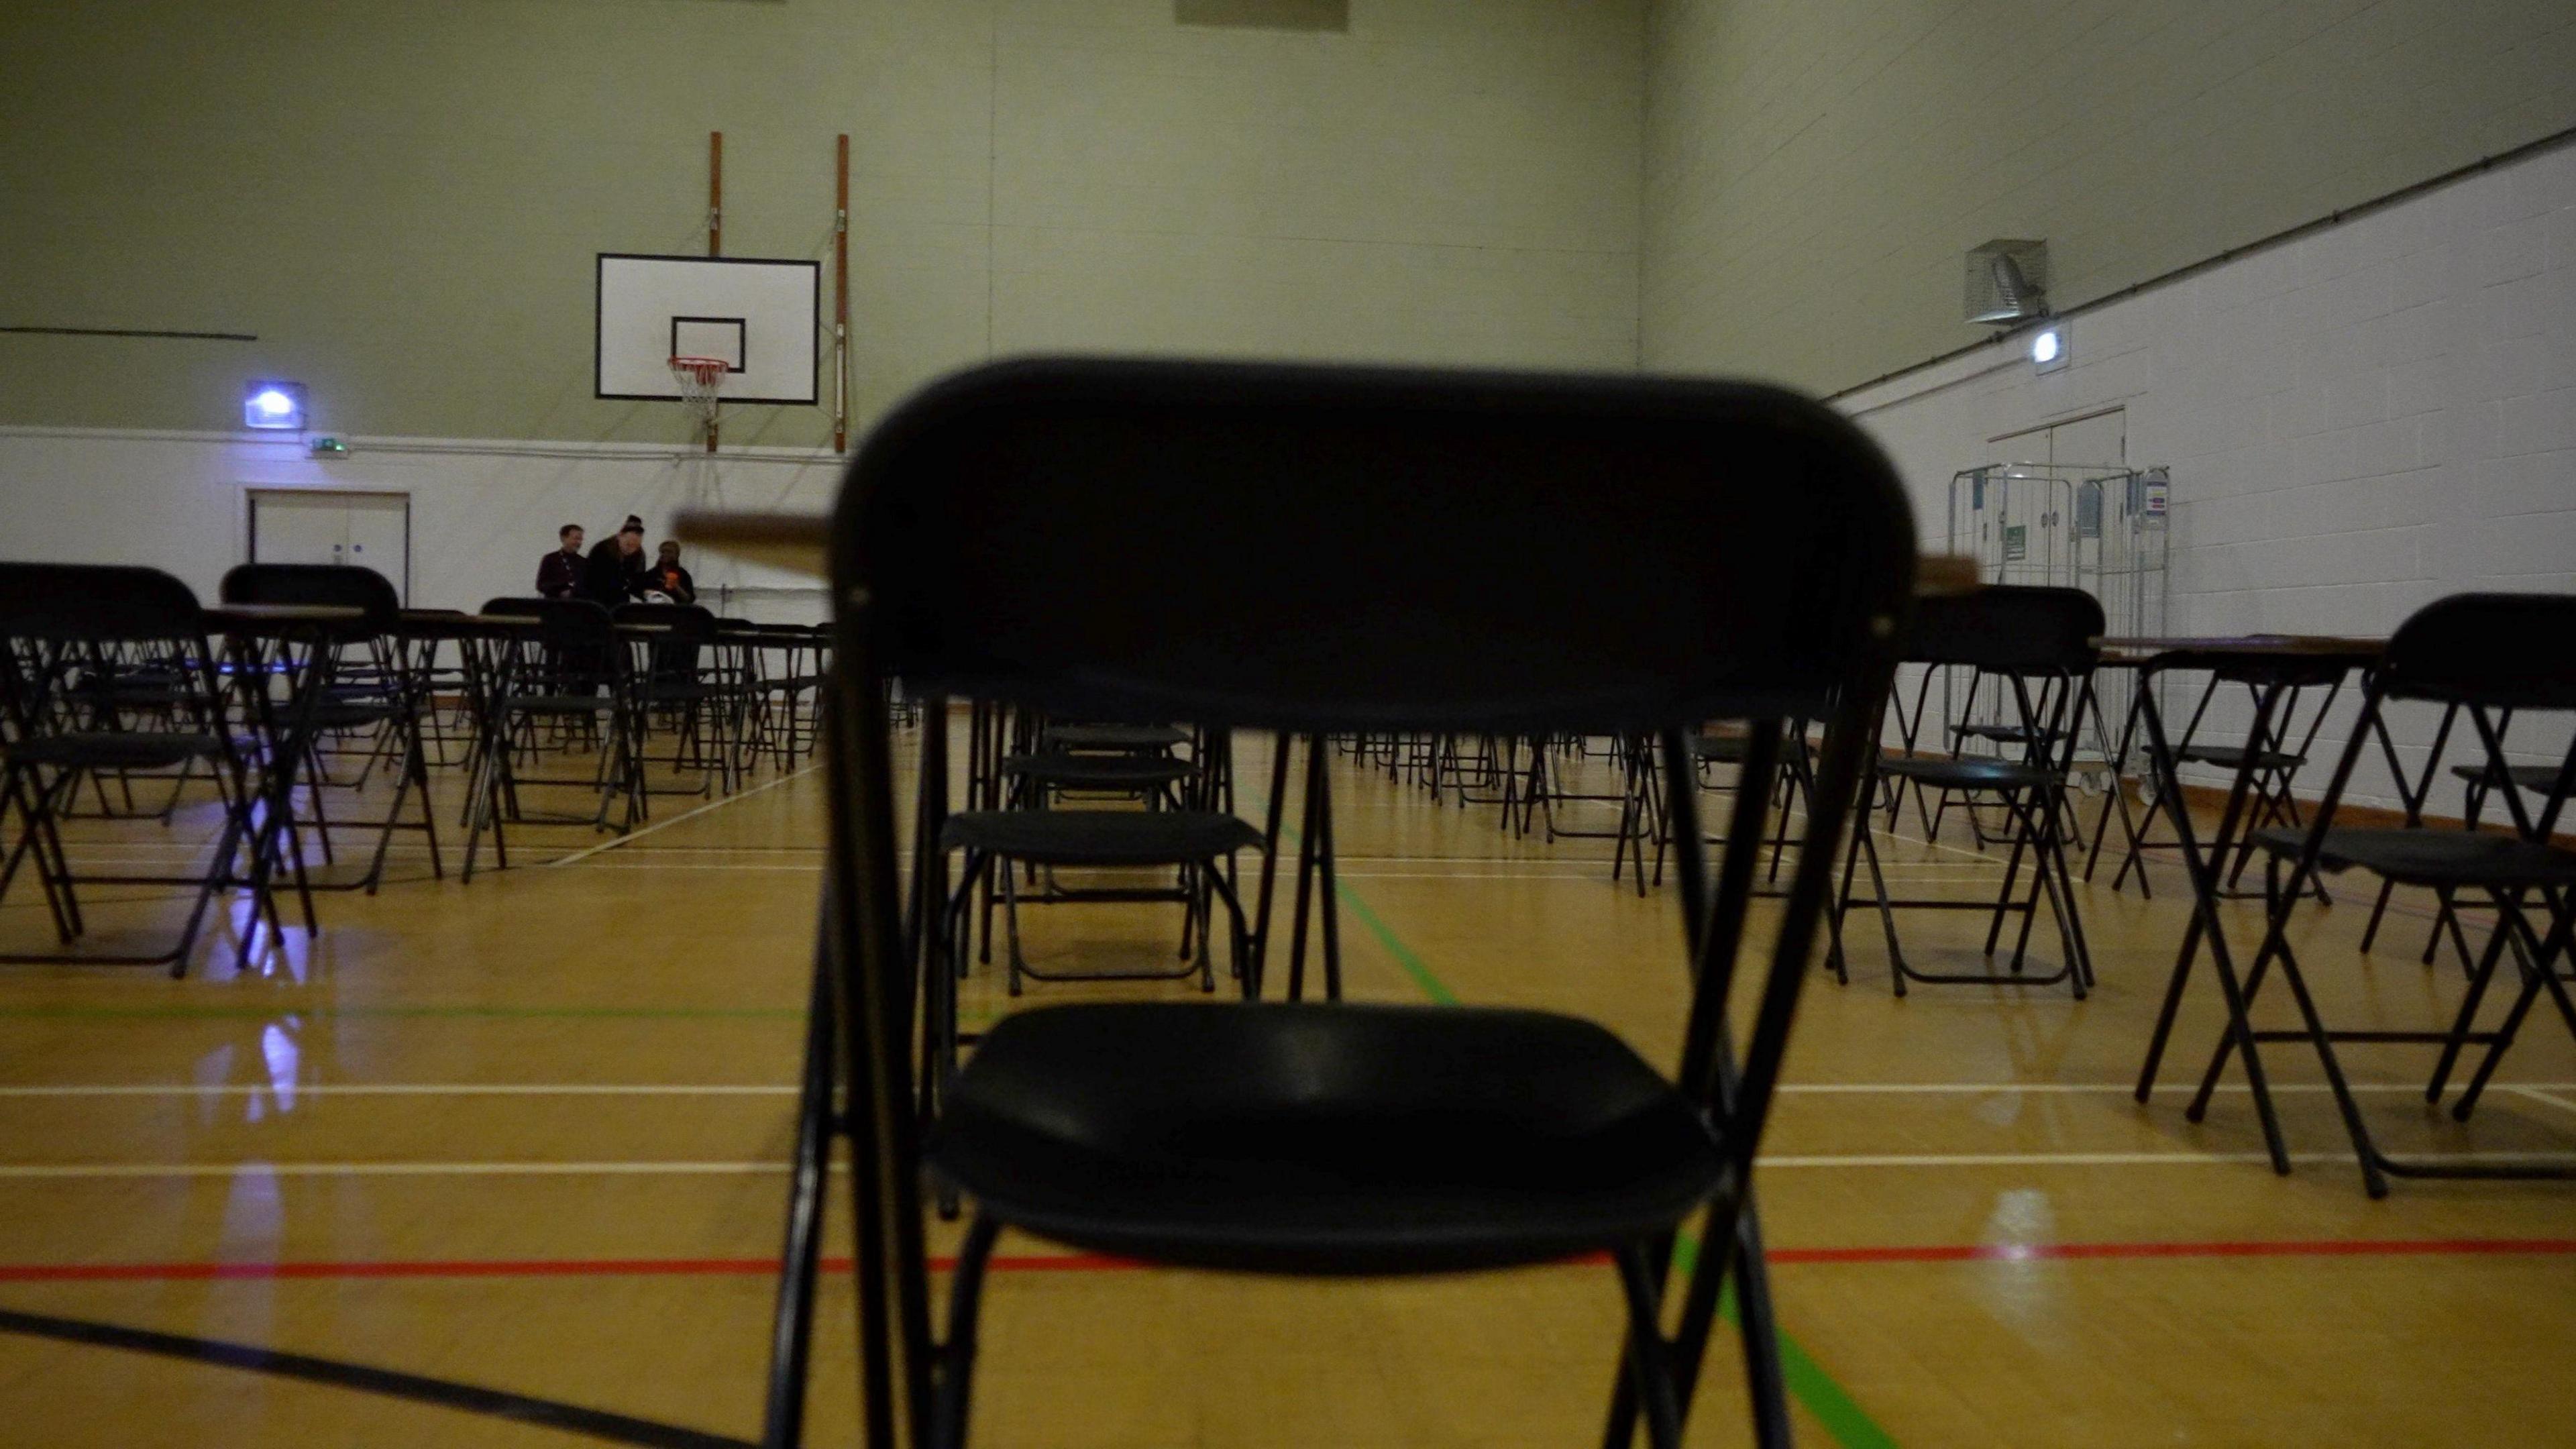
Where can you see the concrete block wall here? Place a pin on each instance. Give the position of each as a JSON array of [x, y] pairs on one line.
[[2357, 422]]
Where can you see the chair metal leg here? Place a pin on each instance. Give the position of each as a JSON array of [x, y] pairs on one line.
[[957, 1357], [792, 1326], [1649, 1356]]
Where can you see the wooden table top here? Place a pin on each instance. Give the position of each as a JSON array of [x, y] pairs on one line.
[[800, 543], [254, 618], [2128, 648], [796, 542], [431, 621]]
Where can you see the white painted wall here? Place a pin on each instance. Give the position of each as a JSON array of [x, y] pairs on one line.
[[482, 513], [2358, 422]]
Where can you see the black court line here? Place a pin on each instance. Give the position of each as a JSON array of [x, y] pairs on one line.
[[132, 332], [541, 1413]]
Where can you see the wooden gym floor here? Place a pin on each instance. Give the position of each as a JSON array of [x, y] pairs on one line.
[[526, 1135]]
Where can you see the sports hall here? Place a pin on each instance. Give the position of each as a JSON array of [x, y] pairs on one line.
[[1287, 723]]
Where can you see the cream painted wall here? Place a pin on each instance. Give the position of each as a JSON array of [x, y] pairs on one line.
[[402, 200], [1815, 171]]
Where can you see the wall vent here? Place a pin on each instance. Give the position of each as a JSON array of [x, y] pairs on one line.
[[2008, 282]]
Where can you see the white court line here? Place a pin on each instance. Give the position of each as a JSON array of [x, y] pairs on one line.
[[2540, 1092], [633, 835], [131, 1170], [787, 1089], [1577, 875]]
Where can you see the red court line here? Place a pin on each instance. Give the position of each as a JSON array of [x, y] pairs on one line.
[[1095, 1263], [2258, 1248]]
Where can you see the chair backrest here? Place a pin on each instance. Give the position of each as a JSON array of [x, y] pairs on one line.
[[2009, 629], [514, 606], [1310, 547], [2502, 651], [1313, 548], [96, 603], [348, 586], [573, 624]]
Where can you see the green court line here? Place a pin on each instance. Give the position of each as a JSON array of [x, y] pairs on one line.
[[1432, 986], [1816, 1390]]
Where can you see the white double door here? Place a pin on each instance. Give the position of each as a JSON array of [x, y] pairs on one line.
[[365, 530]]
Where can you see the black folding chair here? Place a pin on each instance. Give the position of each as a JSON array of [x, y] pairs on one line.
[[2492, 656], [2037, 644], [60, 626], [1340, 550], [2269, 768], [695, 679], [373, 692], [571, 673]]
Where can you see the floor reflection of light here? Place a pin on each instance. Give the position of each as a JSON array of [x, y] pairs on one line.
[[274, 953], [2021, 1216], [278, 1049], [2022, 1223], [214, 1069], [254, 1229]]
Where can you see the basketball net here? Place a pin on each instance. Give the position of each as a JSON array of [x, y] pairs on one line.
[[699, 380]]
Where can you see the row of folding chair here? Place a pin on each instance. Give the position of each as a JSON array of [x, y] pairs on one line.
[[117, 674]]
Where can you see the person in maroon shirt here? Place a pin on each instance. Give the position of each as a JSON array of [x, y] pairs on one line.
[[559, 573]]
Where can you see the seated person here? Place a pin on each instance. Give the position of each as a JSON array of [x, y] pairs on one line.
[[559, 573], [668, 579]]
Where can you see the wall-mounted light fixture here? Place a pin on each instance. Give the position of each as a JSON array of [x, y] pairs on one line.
[[273, 405], [2048, 348]]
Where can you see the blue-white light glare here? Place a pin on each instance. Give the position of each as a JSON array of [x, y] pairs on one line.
[[272, 404]]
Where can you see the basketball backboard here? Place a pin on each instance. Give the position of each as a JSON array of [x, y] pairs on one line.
[[761, 316]]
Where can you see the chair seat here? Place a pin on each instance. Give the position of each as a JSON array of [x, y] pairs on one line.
[[1718, 749], [560, 704], [2003, 733], [659, 692], [2232, 757], [134, 694], [1113, 736], [1099, 837], [1969, 774], [2433, 857], [1322, 1139], [2538, 779], [340, 714], [115, 750], [1099, 772]]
